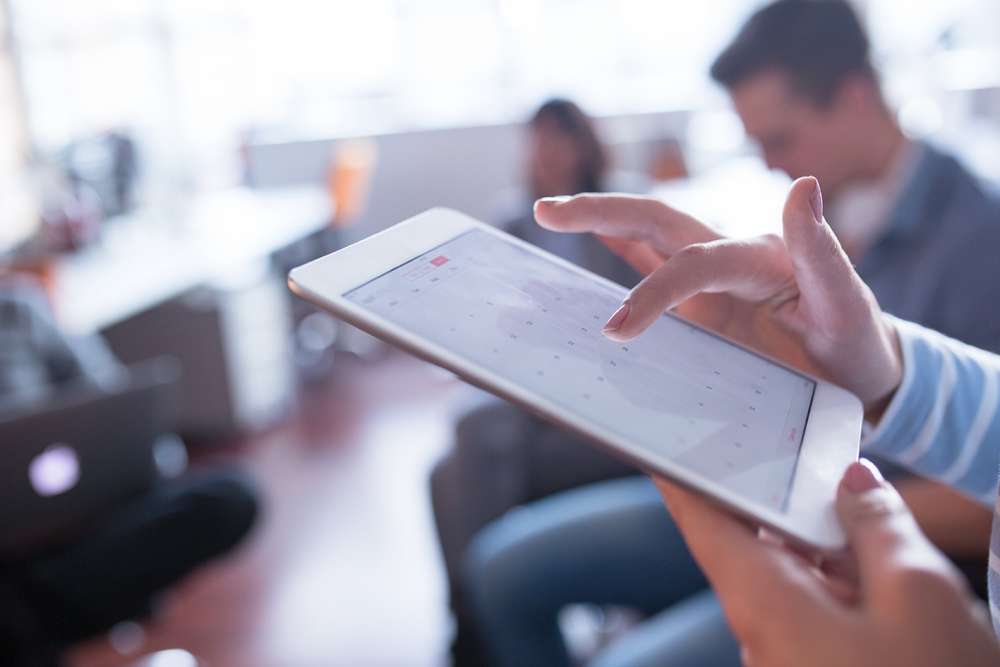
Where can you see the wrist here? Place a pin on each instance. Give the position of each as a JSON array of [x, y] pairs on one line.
[[875, 407]]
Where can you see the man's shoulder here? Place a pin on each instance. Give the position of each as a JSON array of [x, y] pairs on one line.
[[944, 168], [950, 198], [946, 224]]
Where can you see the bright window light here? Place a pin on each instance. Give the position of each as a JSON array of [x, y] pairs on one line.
[[192, 79]]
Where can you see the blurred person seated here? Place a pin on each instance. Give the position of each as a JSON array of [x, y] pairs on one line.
[[923, 234], [502, 456], [114, 567], [565, 157]]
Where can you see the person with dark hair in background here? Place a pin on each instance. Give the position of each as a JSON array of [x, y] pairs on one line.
[[565, 157], [503, 457], [923, 234]]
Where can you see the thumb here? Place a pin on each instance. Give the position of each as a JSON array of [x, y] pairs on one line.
[[885, 539], [845, 331], [824, 274]]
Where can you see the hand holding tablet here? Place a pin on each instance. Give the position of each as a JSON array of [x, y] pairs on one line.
[[764, 440], [897, 598]]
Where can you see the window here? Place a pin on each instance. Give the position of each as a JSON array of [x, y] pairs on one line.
[[190, 78]]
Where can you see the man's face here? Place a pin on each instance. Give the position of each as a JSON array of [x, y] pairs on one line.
[[794, 134]]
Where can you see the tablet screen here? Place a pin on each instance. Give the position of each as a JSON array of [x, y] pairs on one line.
[[676, 391]]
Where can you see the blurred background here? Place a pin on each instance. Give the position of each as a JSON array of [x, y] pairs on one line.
[[164, 163], [211, 92]]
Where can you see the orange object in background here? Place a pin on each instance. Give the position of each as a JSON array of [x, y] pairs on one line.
[[667, 160], [352, 167], [31, 269]]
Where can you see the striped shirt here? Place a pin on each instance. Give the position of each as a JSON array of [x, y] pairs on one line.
[[944, 423]]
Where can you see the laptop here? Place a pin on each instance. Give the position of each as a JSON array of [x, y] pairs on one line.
[[66, 461]]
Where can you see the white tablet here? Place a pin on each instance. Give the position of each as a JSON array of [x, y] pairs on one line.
[[766, 441]]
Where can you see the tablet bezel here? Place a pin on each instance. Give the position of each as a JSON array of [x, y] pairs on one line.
[[829, 443]]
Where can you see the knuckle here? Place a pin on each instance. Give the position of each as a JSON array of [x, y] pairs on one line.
[[775, 248], [694, 259], [694, 253], [772, 241], [657, 209]]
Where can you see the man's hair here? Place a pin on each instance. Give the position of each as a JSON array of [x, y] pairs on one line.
[[816, 43]]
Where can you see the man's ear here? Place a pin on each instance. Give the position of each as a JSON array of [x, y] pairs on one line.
[[856, 93]]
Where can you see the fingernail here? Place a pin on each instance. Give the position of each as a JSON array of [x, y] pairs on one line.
[[550, 200], [615, 323], [816, 201], [862, 476]]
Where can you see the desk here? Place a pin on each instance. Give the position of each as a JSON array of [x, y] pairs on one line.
[[139, 286], [145, 258]]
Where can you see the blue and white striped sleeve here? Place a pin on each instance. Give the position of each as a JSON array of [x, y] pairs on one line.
[[944, 420], [944, 423]]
